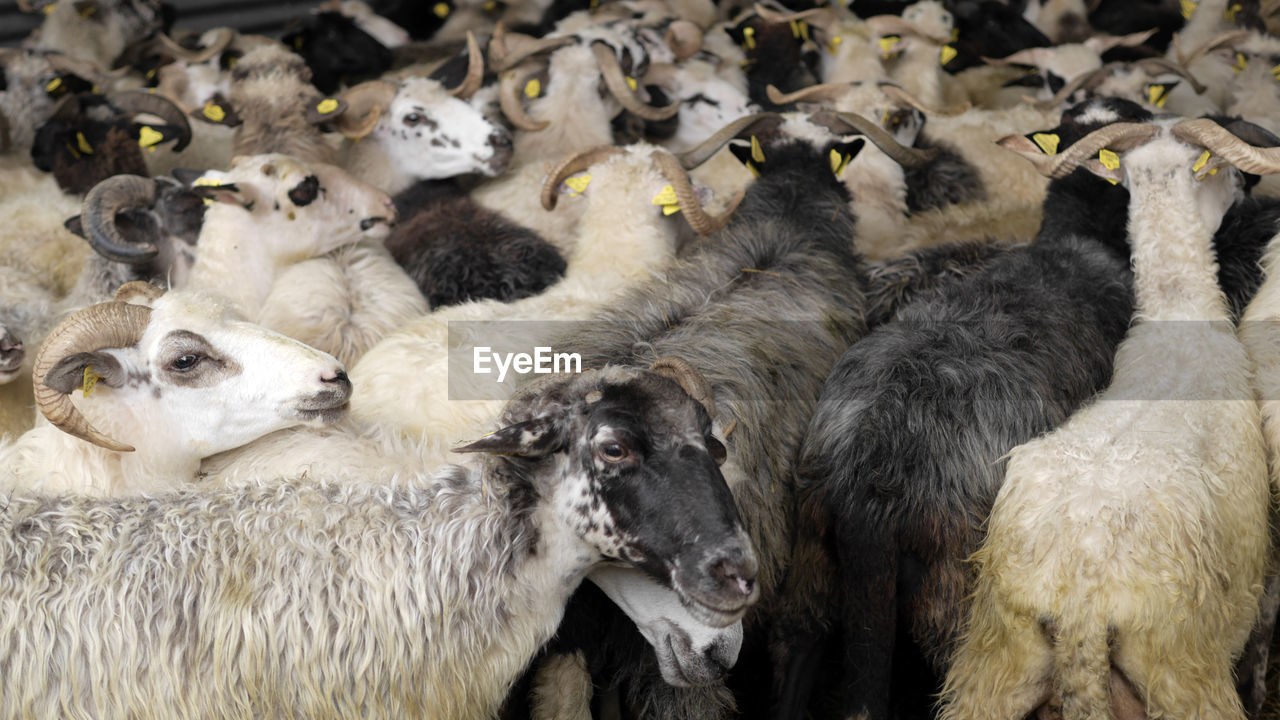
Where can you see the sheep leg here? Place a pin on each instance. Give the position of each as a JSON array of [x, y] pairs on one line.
[[869, 572], [1003, 667], [1175, 683], [1082, 656], [1251, 668]]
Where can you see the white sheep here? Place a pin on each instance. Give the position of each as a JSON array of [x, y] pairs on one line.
[[332, 596], [138, 390], [1134, 537]]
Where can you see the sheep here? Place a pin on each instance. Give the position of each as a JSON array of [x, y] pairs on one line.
[[30, 85], [900, 462], [780, 287], [101, 32], [421, 598], [403, 378], [89, 137], [336, 49], [138, 390], [1156, 577]]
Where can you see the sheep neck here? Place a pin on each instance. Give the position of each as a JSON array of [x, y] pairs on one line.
[[369, 162], [233, 260], [1175, 273]]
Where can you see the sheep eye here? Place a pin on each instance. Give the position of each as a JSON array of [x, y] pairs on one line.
[[613, 452], [717, 450], [186, 362], [413, 119]]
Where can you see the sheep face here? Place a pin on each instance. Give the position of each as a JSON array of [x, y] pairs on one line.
[[707, 103], [430, 134], [199, 380], [11, 355], [629, 462], [300, 210]]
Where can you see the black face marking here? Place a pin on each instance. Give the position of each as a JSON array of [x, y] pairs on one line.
[[700, 98], [305, 192], [187, 359]]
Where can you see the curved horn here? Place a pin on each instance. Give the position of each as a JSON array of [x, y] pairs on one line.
[[221, 39], [1122, 135], [84, 68], [616, 81], [136, 101], [898, 25], [694, 157], [106, 325], [1086, 81], [811, 15], [900, 95], [684, 38], [901, 154], [1157, 65], [507, 50], [98, 216], [365, 104], [824, 92], [694, 214], [574, 163], [510, 86], [475, 70], [1208, 134], [689, 378], [1223, 38]]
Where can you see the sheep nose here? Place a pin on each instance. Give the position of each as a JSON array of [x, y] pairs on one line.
[[500, 141], [339, 380], [734, 570]]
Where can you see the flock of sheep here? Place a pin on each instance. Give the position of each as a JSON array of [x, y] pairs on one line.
[[928, 361]]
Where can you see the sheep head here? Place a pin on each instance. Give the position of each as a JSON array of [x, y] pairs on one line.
[[179, 373], [11, 355], [630, 464]]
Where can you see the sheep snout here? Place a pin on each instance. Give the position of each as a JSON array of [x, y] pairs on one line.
[[11, 355], [329, 404]]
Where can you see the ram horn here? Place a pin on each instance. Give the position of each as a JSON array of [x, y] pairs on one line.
[[900, 95], [748, 124], [106, 325], [824, 92], [684, 38], [1222, 142], [98, 217], [222, 39], [365, 104], [1085, 81], [136, 101], [1228, 38], [85, 69], [507, 49], [510, 86], [898, 25], [688, 377], [815, 16], [1157, 65], [616, 81], [901, 154], [574, 163], [475, 70], [1116, 136], [694, 214]]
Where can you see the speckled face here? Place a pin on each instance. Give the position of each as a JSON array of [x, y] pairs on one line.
[[431, 134], [640, 483]]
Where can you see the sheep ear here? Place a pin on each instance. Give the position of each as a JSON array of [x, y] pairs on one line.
[[217, 111], [149, 135], [326, 110], [225, 193], [73, 225], [534, 438], [83, 371]]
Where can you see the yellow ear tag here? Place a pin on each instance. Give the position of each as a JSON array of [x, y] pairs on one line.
[[955, 34], [839, 162], [800, 29], [327, 106], [441, 10], [207, 182], [214, 112], [887, 44], [666, 197], [1201, 161], [88, 11], [490, 6], [754, 170], [1230, 13], [48, 9], [85, 147], [834, 46], [749, 38], [757, 152], [948, 54], [578, 183], [148, 137], [1241, 63], [631, 83], [297, 43], [90, 381], [1275, 72], [1047, 142], [1109, 160], [1188, 8], [533, 88], [1157, 95], [53, 85]]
